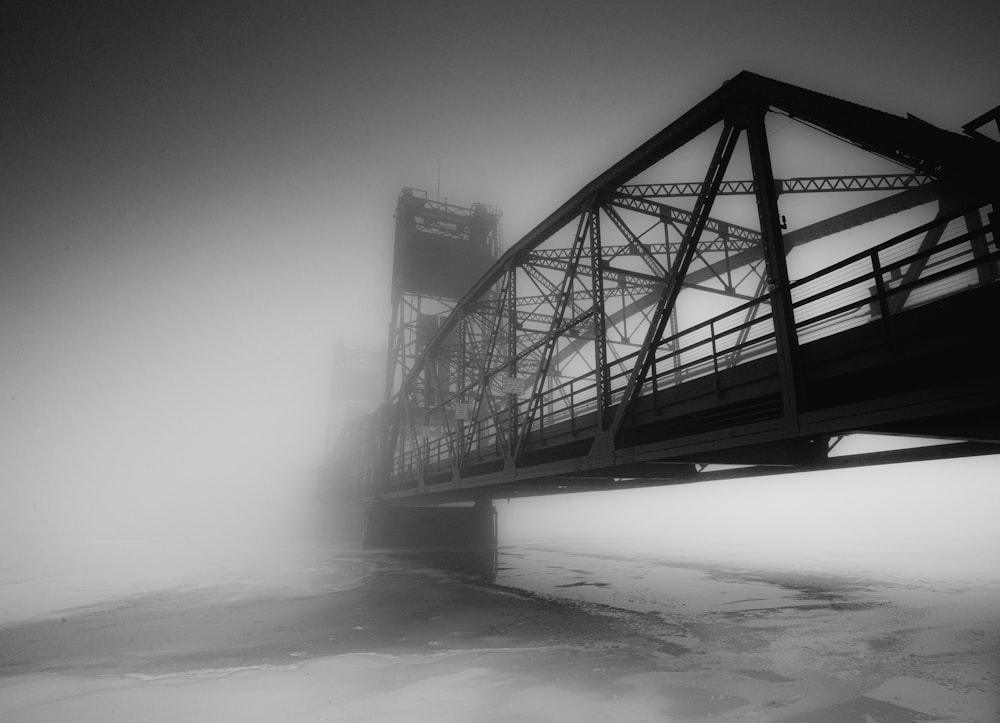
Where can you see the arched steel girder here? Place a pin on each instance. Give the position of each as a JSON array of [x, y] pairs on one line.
[[929, 151], [740, 105]]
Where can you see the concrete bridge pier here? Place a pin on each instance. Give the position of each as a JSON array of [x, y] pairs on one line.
[[414, 528]]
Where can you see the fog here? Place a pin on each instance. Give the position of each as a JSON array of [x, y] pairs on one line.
[[926, 520], [198, 205]]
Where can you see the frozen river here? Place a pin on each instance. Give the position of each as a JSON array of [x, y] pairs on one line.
[[556, 632]]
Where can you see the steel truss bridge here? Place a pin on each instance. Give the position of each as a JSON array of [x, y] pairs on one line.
[[831, 270]]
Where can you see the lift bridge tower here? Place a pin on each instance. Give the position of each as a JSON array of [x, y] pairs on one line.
[[439, 251]]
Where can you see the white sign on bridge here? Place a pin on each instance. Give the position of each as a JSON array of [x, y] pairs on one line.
[[512, 385]]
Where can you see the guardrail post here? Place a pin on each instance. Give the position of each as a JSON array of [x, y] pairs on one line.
[[572, 409], [541, 419], [882, 298], [656, 386], [715, 359], [986, 269]]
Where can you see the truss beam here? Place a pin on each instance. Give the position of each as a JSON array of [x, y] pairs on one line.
[[810, 184]]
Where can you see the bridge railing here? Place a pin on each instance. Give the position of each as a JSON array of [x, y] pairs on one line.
[[937, 259], [736, 337], [569, 409]]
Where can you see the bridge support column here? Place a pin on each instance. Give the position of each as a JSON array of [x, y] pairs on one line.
[[413, 528]]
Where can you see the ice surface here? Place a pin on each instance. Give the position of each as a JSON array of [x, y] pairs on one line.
[[566, 635]]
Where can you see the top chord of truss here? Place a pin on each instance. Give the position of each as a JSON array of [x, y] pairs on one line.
[[785, 185]]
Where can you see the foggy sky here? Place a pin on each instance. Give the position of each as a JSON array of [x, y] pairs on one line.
[[197, 201]]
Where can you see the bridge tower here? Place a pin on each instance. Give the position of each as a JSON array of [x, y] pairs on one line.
[[355, 394], [439, 250]]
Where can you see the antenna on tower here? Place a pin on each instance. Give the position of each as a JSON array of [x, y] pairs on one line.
[[437, 196]]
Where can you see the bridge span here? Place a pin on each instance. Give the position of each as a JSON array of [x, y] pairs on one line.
[[774, 270]]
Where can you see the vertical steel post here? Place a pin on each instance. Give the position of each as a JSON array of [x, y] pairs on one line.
[[715, 359], [563, 294], [512, 355], [458, 447], [654, 375], [675, 348], [881, 298], [602, 390], [766, 196], [572, 408]]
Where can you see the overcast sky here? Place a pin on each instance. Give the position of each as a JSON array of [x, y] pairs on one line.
[[197, 199]]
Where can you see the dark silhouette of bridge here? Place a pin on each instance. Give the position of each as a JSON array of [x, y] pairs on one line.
[[832, 270]]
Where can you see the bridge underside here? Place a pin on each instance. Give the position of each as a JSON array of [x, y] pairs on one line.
[[656, 331]]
